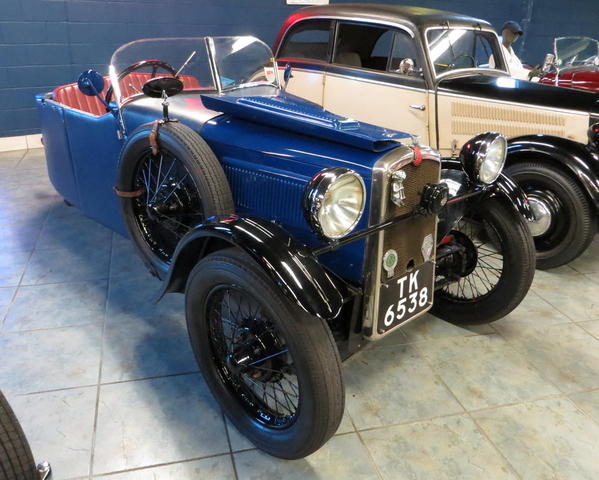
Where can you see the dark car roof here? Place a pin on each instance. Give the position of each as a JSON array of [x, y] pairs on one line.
[[416, 17]]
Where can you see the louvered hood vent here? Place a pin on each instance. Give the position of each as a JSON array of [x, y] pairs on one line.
[[469, 119]]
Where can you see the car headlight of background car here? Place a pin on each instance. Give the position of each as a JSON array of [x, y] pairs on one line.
[[483, 157], [594, 135], [334, 201]]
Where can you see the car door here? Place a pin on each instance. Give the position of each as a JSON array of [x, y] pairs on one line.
[[371, 80], [307, 48]]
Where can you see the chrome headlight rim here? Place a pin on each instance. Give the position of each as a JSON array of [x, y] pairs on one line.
[[315, 196], [477, 151]]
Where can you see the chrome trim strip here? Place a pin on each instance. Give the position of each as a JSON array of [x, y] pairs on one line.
[[213, 67], [375, 82]]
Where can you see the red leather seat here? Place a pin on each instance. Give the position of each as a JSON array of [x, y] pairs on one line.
[[70, 95]]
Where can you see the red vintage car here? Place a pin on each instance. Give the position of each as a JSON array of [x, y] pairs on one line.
[[574, 64]]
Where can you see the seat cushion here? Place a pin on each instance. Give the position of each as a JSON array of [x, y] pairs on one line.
[[70, 96]]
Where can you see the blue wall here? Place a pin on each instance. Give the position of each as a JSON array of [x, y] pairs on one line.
[[45, 43]]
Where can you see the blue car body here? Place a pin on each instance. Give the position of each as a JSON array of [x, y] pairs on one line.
[[268, 166]]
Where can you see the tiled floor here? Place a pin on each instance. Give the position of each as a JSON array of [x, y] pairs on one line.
[[106, 386]]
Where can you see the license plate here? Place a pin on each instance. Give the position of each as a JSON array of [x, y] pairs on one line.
[[405, 297]]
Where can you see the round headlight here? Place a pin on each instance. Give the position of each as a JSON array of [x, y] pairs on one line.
[[334, 201], [483, 157]]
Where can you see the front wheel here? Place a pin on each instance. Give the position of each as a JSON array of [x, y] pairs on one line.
[[491, 269], [565, 223], [274, 369]]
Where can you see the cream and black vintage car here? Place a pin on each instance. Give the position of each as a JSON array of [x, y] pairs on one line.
[[428, 72]]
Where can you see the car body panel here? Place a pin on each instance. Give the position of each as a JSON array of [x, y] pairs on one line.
[[498, 102], [583, 78], [255, 157]]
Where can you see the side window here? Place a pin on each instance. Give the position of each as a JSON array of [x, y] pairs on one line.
[[363, 46], [308, 39], [404, 50], [483, 51]]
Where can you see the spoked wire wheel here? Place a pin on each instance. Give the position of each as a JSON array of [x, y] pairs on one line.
[[483, 266], [170, 204], [170, 192], [251, 357], [494, 272], [274, 368]]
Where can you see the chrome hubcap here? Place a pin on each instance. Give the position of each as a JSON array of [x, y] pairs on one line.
[[543, 216]]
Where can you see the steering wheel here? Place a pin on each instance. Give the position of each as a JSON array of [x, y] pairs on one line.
[[452, 65], [155, 64]]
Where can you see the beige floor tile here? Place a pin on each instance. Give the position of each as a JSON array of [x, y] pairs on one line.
[[59, 427], [572, 294], [588, 262], [441, 449], [566, 355], [394, 385], [545, 440], [429, 327], [588, 402], [156, 421], [591, 327], [215, 468], [533, 312], [342, 457], [483, 371]]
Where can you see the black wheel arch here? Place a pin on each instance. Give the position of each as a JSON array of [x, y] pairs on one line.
[[290, 264], [503, 188], [573, 158]]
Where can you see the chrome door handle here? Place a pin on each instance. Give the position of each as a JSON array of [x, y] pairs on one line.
[[422, 108]]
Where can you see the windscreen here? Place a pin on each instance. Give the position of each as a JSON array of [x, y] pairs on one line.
[[202, 63], [162, 57], [576, 51], [458, 48], [243, 61]]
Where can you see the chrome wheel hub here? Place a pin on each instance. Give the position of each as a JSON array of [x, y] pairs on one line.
[[543, 215]]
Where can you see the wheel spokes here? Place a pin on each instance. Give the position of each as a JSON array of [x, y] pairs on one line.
[[257, 363]]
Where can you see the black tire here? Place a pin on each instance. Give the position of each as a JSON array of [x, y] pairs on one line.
[[574, 224], [201, 193], [16, 459], [315, 361], [503, 230]]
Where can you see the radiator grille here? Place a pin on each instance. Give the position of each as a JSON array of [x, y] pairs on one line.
[[268, 194], [406, 236], [469, 119]]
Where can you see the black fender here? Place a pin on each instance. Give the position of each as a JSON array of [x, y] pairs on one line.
[[289, 264], [504, 187], [573, 157]]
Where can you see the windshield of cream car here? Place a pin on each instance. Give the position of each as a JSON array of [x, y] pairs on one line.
[[459, 48], [571, 51], [201, 63]]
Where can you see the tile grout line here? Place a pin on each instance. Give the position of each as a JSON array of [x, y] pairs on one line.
[[98, 388], [556, 308], [525, 357], [103, 384], [157, 465], [18, 286], [466, 412], [370, 455], [232, 457]]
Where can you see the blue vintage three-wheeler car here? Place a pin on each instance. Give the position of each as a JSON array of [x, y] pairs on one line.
[[295, 234]]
